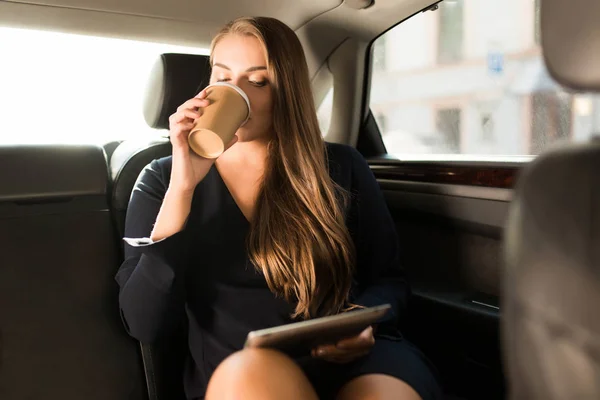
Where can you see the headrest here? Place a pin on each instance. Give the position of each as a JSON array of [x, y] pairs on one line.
[[174, 79], [570, 42]]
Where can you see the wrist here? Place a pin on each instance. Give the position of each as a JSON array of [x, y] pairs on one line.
[[182, 192]]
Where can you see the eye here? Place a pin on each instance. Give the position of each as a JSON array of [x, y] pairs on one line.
[[223, 80], [258, 83]]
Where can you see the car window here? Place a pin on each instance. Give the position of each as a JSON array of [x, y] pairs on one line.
[[65, 88], [469, 81]]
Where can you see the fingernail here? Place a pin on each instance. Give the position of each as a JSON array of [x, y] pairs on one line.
[[320, 352]]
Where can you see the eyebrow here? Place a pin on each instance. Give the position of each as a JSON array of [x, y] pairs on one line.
[[251, 69]]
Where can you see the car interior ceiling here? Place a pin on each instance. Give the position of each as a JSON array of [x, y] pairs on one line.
[[62, 211]]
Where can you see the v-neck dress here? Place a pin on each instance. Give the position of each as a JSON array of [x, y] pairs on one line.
[[203, 273]]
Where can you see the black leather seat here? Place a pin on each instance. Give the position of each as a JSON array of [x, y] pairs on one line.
[[175, 78], [551, 303], [61, 336]]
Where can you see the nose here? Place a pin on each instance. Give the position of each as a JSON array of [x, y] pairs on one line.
[[237, 81]]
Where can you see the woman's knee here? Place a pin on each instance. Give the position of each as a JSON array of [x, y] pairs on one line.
[[377, 387], [259, 374]]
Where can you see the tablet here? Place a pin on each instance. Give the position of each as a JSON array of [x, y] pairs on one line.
[[299, 338]]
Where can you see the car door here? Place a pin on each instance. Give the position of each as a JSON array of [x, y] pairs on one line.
[[456, 109], [450, 218]]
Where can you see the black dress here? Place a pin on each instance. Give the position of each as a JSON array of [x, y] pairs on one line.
[[203, 273]]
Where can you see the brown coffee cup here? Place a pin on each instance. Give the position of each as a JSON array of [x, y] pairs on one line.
[[228, 110]]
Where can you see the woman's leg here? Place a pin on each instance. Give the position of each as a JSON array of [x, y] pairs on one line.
[[259, 374], [377, 387]]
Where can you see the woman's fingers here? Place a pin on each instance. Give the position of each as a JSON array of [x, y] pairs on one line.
[[201, 95], [180, 126], [187, 113], [186, 126], [192, 114], [348, 349], [184, 113], [364, 340], [343, 357], [194, 103], [326, 350], [182, 120]]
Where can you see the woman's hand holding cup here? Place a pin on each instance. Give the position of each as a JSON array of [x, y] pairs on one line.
[[188, 168]]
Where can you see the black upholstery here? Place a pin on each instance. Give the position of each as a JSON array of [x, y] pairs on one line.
[[110, 147], [44, 172], [127, 162], [164, 363], [61, 336], [175, 78]]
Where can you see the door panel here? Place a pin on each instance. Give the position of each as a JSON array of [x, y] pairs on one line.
[[451, 236]]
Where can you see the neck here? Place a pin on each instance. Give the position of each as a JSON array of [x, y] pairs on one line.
[[251, 154]]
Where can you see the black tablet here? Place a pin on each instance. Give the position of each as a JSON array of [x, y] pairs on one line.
[[300, 338]]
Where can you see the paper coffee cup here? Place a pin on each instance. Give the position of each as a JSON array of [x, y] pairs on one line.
[[228, 110]]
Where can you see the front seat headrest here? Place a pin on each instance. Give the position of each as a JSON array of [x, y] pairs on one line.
[[174, 79], [570, 42]]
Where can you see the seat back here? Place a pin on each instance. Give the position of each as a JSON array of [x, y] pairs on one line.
[[126, 163], [61, 336], [174, 79], [552, 284], [551, 301]]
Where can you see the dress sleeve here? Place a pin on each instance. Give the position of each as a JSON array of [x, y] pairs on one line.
[[380, 277], [151, 295]]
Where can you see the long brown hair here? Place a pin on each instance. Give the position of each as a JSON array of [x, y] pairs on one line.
[[298, 237]]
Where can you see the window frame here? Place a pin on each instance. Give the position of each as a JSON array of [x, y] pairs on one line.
[[492, 174], [465, 159]]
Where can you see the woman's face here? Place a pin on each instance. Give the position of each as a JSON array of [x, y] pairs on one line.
[[240, 60]]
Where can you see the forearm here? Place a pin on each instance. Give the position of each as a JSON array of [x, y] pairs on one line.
[[173, 214]]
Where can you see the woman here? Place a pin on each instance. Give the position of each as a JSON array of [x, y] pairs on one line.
[[281, 227]]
